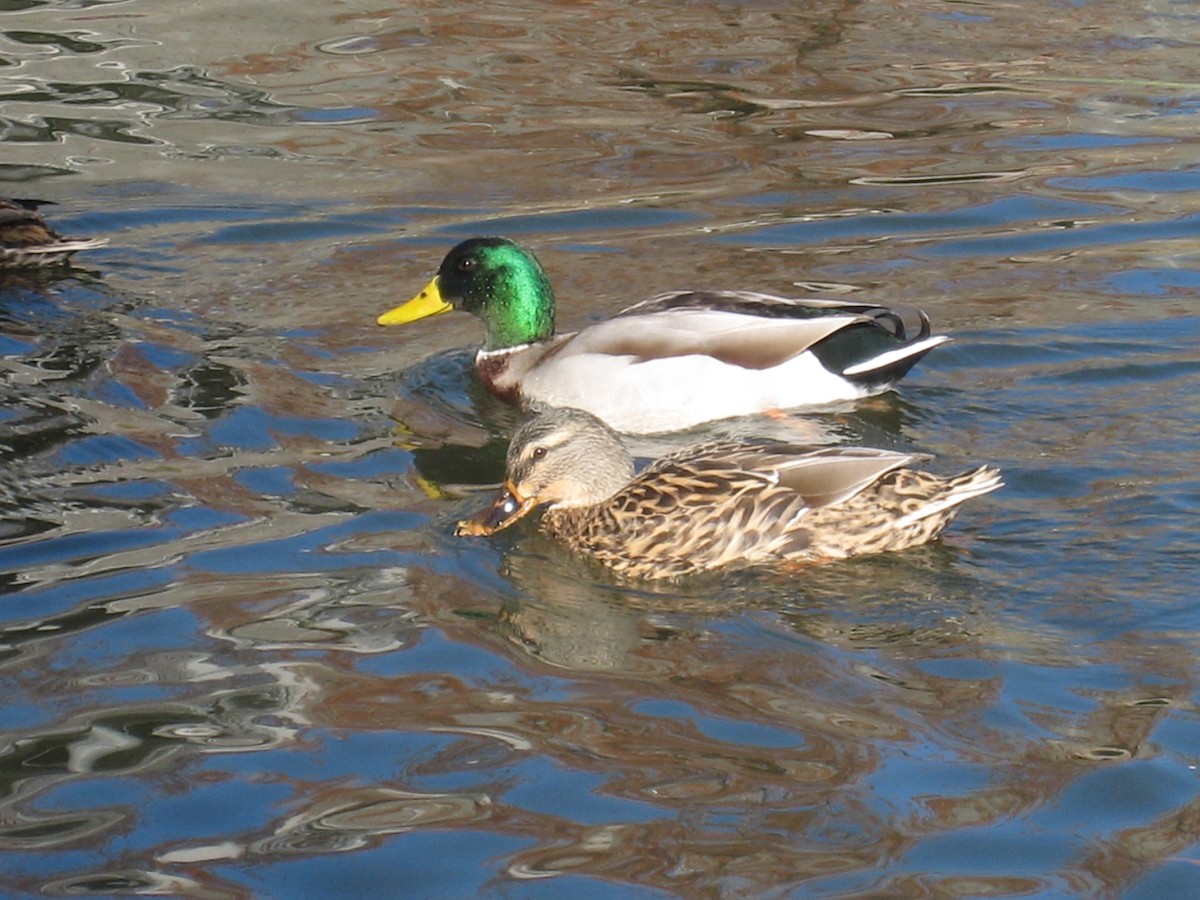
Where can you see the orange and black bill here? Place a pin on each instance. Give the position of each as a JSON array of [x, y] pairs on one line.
[[507, 507]]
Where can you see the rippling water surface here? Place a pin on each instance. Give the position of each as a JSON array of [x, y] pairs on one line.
[[242, 653]]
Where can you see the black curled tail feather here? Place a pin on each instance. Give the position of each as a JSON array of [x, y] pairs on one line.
[[897, 323], [876, 353]]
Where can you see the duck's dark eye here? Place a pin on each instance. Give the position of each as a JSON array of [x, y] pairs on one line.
[[466, 264], [539, 452]]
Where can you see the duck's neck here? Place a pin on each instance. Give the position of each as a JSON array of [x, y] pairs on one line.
[[520, 309], [607, 483], [608, 468]]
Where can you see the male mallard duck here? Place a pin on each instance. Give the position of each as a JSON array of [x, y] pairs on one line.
[[718, 505], [26, 238], [674, 360]]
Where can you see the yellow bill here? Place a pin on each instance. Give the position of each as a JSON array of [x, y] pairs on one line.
[[427, 303]]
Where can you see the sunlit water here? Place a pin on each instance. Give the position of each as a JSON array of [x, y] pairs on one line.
[[243, 654]]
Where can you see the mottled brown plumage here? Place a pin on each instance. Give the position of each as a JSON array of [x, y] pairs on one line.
[[719, 505], [27, 240]]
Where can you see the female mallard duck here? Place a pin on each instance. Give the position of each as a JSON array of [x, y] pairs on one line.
[[719, 505], [26, 238], [674, 360]]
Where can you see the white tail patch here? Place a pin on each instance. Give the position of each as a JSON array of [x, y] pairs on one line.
[[982, 481], [67, 246], [883, 360]]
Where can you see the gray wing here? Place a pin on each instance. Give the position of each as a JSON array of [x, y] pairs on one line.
[[734, 336], [821, 476]]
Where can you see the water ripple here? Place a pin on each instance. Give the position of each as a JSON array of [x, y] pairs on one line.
[[243, 650]]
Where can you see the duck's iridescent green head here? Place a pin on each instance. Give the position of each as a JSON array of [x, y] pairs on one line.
[[495, 279]]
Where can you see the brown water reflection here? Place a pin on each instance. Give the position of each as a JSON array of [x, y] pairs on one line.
[[243, 653]]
